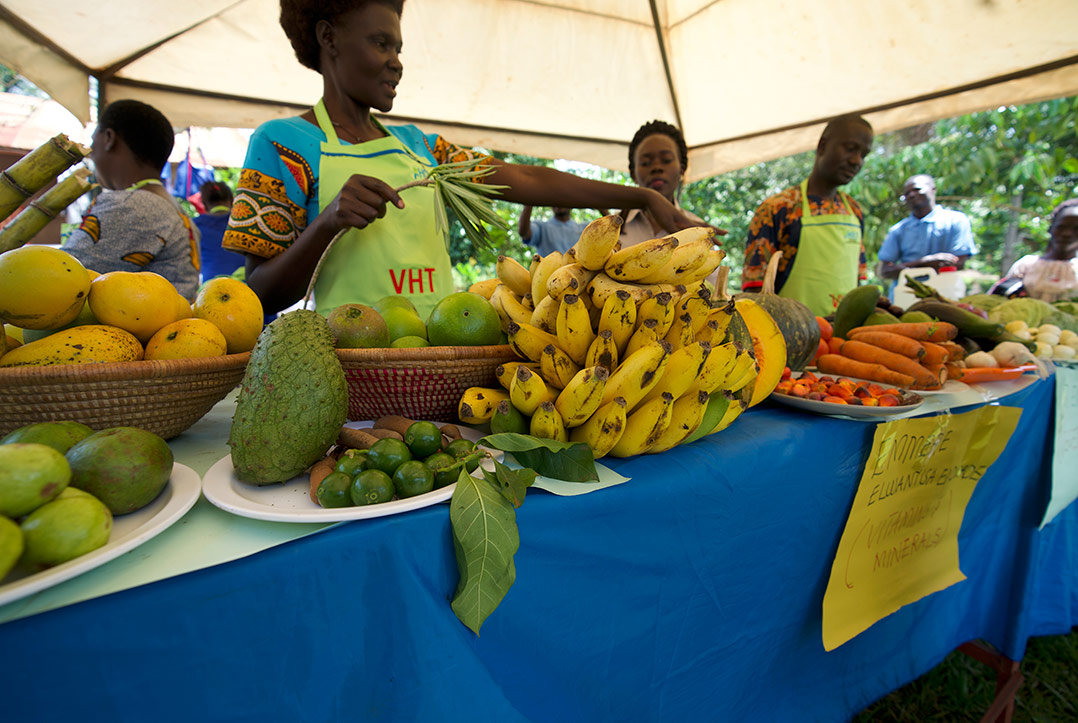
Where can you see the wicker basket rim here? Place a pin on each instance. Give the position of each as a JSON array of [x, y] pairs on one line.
[[109, 371], [426, 353]]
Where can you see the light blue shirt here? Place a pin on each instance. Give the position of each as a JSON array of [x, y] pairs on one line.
[[554, 235], [941, 231]]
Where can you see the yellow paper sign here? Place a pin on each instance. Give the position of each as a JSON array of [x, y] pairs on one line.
[[901, 538]]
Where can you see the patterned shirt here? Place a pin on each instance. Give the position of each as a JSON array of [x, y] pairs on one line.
[[277, 193], [776, 225], [139, 230]]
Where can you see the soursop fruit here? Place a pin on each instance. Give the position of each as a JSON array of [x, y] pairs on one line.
[[292, 401]]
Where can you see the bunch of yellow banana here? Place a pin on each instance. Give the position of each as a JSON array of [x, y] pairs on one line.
[[621, 348]]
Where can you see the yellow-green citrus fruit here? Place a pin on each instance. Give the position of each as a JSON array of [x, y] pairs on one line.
[[11, 545], [401, 322], [357, 326], [31, 474], [139, 302], [41, 287], [463, 319], [234, 308], [64, 529], [409, 342], [393, 302]]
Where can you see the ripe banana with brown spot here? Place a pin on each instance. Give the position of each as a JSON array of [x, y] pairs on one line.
[[603, 351], [645, 334], [582, 396], [557, 367], [603, 429], [514, 275], [505, 372], [637, 374], [704, 270], [685, 417], [573, 328], [546, 423], [692, 250], [597, 241], [640, 260], [660, 307], [477, 404], [681, 333], [528, 390], [534, 264], [541, 274], [602, 286], [743, 373], [723, 315], [485, 288], [568, 279], [528, 341], [716, 368], [709, 332], [682, 369], [509, 307], [619, 318], [644, 426], [545, 315]]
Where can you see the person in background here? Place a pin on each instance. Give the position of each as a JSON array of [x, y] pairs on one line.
[[930, 236], [1052, 275], [335, 167], [217, 200], [557, 233], [135, 225], [817, 228], [658, 159]]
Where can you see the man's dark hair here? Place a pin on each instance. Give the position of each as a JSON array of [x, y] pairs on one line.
[[1061, 209], [145, 130], [299, 18], [841, 121], [215, 193], [650, 129]]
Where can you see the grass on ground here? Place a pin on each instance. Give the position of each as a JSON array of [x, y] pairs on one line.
[[961, 689]]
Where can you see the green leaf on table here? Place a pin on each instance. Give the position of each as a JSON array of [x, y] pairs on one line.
[[513, 484], [569, 461], [485, 538]]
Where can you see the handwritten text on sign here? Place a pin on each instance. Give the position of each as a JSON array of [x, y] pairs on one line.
[[901, 538]]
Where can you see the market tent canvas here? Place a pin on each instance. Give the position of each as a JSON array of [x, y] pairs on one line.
[[747, 80]]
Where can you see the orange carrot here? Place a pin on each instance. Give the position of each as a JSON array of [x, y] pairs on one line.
[[974, 375], [955, 352], [892, 342], [835, 343], [860, 351], [843, 366], [939, 371], [954, 369], [935, 353], [919, 330]]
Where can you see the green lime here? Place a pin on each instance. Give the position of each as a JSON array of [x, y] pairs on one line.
[[333, 490], [508, 418], [438, 463], [352, 462], [463, 319], [409, 342], [462, 448], [387, 455], [423, 438], [393, 302], [413, 478], [370, 487], [403, 322]]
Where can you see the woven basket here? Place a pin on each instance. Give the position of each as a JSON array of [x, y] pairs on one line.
[[163, 397], [420, 383]]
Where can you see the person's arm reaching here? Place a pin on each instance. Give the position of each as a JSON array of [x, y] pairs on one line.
[[524, 225]]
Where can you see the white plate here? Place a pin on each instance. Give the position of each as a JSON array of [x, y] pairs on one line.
[[128, 532], [843, 410], [291, 501]]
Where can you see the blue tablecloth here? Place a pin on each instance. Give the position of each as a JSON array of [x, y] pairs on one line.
[[692, 592]]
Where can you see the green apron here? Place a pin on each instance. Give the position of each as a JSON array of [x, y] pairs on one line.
[[827, 259], [401, 253]]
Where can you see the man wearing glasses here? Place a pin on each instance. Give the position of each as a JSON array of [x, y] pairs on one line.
[[930, 236]]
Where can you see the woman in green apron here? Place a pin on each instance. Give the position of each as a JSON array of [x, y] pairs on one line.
[[335, 167]]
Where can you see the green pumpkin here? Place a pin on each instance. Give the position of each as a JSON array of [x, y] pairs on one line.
[[795, 320]]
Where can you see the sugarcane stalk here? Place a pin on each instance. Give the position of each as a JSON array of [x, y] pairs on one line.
[[37, 169], [39, 212]]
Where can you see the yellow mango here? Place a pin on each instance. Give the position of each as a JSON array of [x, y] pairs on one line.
[[41, 287], [78, 345], [186, 339], [140, 302]]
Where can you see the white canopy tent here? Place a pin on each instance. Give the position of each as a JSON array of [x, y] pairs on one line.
[[747, 80]]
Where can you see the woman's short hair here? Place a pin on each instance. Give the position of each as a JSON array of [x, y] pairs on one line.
[[299, 18], [145, 130], [215, 193], [650, 129], [1060, 210]]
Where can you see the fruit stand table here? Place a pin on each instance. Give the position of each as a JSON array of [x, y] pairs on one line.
[[693, 592]]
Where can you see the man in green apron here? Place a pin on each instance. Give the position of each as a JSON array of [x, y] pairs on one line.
[[817, 228]]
